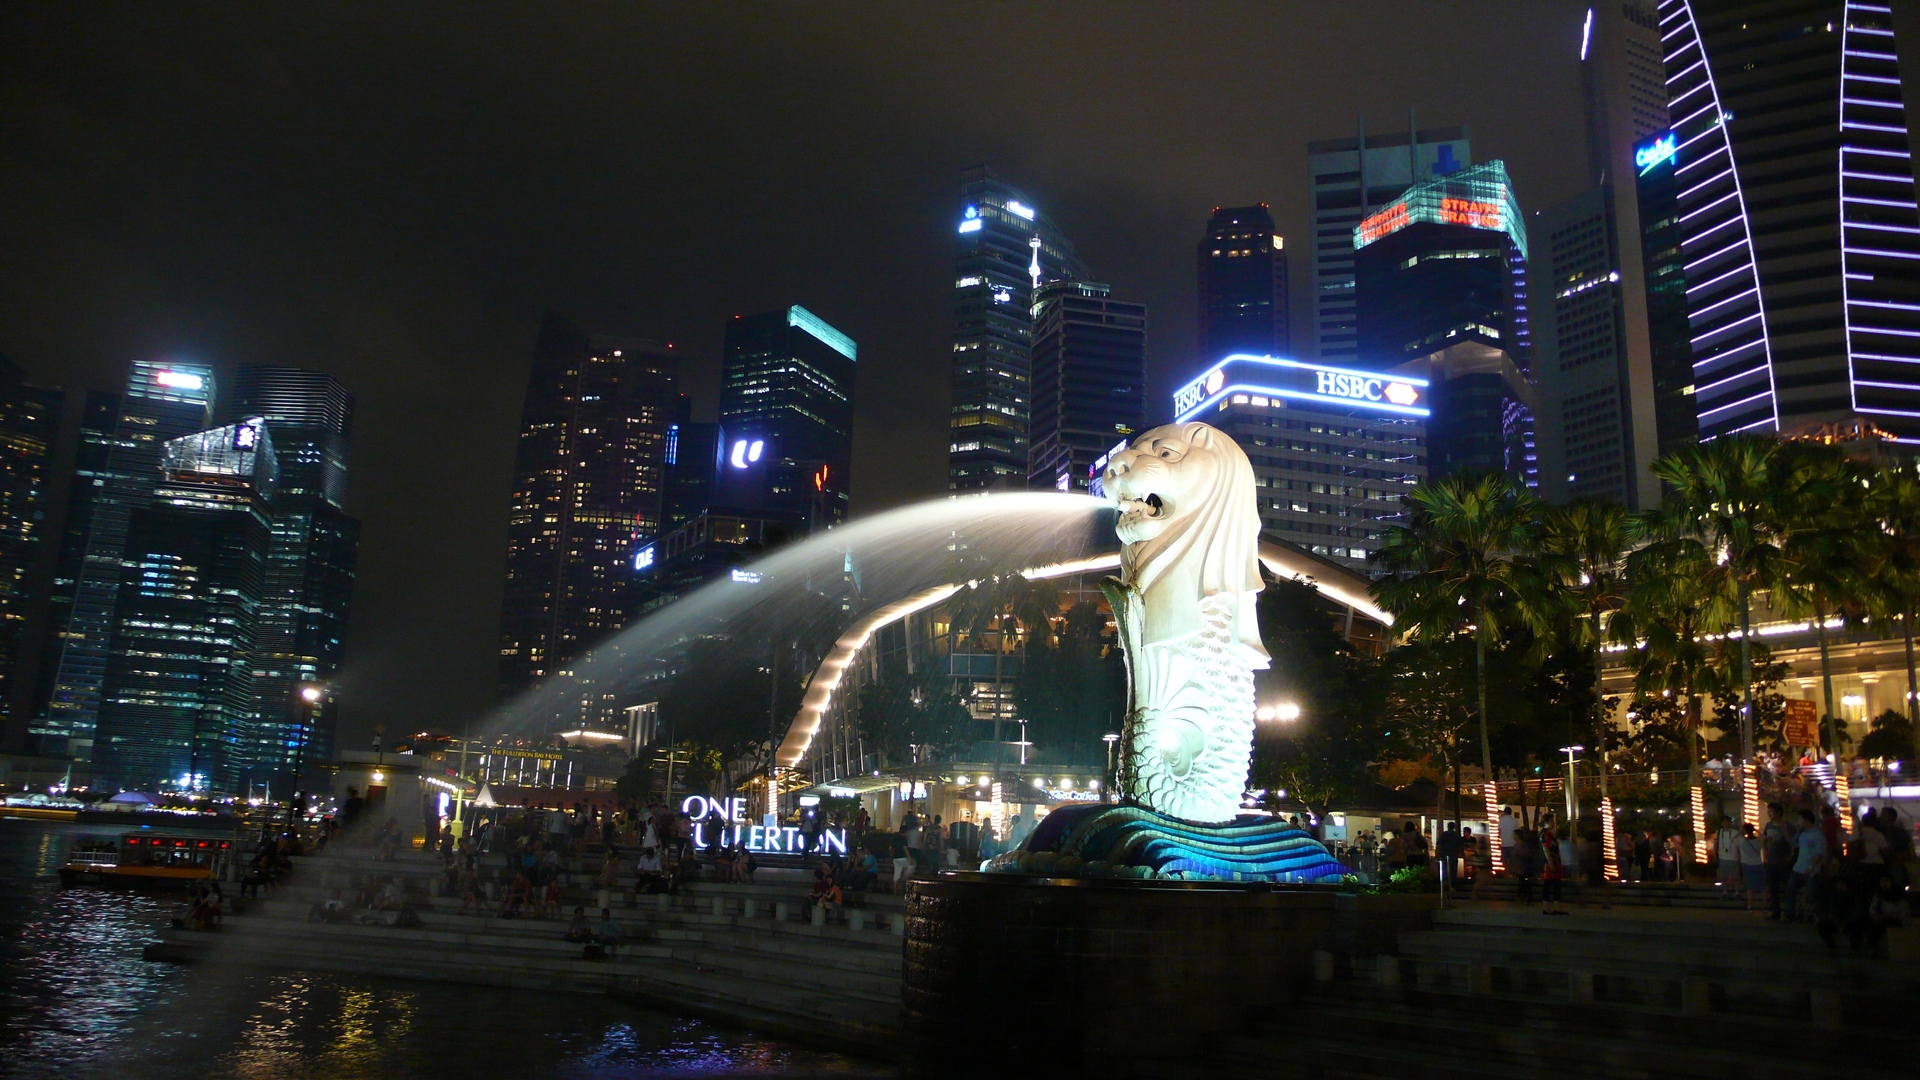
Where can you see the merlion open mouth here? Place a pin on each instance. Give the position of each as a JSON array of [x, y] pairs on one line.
[[1148, 505]]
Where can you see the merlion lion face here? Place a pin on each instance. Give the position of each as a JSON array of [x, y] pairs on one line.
[[1159, 480]]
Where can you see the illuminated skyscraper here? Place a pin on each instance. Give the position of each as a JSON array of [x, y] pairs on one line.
[[1334, 449], [1593, 358], [29, 428], [1243, 285], [310, 568], [161, 402], [1006, 248], [178, 706], [1350, 183], [1441, 291], [1795, 205], [786, 401], [589, 474], [1089, 380]]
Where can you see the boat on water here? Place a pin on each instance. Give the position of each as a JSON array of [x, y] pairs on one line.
[[147, 857]]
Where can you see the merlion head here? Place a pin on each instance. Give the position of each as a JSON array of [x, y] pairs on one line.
[[1186, 499]]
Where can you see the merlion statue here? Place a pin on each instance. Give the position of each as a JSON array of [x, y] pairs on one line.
[[1184, 604]]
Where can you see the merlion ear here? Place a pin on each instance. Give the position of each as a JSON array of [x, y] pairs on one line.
[[1199, 435]]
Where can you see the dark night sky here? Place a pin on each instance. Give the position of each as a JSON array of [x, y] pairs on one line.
[[394, 192]]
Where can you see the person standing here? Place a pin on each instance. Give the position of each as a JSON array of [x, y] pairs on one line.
[[1777, 847], [1552, 876], [1508, 827], [1449, 851], [1726, 843], [1810, 858], [910, 836], [1753, 866]]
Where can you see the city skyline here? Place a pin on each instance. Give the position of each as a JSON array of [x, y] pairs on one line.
[[439, 378]]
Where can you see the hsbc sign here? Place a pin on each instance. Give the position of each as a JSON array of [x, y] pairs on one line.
[[1267, 381]]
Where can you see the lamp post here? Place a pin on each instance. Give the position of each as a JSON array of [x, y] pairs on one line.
[[1109, 738], [1573, 803], [310, 696]]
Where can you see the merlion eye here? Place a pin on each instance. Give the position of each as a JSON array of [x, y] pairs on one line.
[[1169, 453]]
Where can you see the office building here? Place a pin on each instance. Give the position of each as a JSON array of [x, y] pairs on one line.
[[29, 431], [177, 709], [1006, 249], [589, 474], [1351, 178], [1089, 380], [1243, 285], [1670, 342], [1441, 294], [1593, 358], [786, 402], [120, 471], [310, 567], [1334, 449], [695, 457], [1795, 203]]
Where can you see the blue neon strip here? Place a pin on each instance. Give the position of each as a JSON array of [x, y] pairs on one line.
[[827, 335], [1301, 395]]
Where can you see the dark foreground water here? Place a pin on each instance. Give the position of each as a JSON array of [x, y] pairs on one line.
[[77, 1000]]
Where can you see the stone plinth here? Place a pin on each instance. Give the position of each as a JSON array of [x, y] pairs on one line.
[[1108, 976]]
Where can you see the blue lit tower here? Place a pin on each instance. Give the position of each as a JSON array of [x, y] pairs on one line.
[[1794, 200], [1006, 249], [311, 565], [29, 428], [178, 707], [161, 402], [1440, 287], [1243, 285], [786, 400], [1089, 380]]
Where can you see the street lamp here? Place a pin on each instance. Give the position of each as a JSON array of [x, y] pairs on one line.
[[1110, 738], [1286, 712], [310, 696], [1573, 805]]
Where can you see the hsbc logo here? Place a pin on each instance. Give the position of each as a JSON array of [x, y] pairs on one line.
[[1343, 384]]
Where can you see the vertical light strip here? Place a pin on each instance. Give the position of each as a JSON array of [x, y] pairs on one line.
[[1734, 207], [1750, 796], [1497, 861], [1609, 846], [1703, 845], [1857, 189]]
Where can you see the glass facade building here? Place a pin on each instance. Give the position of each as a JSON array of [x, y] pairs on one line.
[[1089, 380], [589, 474], [1795, 206], [1006, 248], [1334, 449], [1350, 178], [1441, 292], [119, 470], [178, 708], [786, 399], [1243, 285], [29, 431]]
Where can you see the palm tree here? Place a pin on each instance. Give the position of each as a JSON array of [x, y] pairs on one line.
[[1454, 568], [1670, 604], [1582, 562], [1890, 572], [1822, 550], [1726, 498]]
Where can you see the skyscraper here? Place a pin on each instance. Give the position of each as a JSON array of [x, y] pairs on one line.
[[786, 397], [311, 563], [1243, 285], [1593, 351], [1349, 182], [1006, 249], [587, 485], [161, 402], [1676, 422], [178, 706], [1795, 203], [1089, 380], [29, 428], [1441, 294], [1334, 449]]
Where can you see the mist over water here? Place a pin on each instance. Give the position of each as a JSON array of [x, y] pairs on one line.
[[810, 590]]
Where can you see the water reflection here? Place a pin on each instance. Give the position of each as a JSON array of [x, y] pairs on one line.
[[76, 999]]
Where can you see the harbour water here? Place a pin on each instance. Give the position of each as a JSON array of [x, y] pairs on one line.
[[76, 999]]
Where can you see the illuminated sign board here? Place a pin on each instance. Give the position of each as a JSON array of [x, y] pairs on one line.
[[1478, 197], [246, 436], [723, 823], [1016, 207], [643, 558], [1656, 153], [745, 452], [1273, 381], [1391, 220], [180, 380], [747, 577]]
